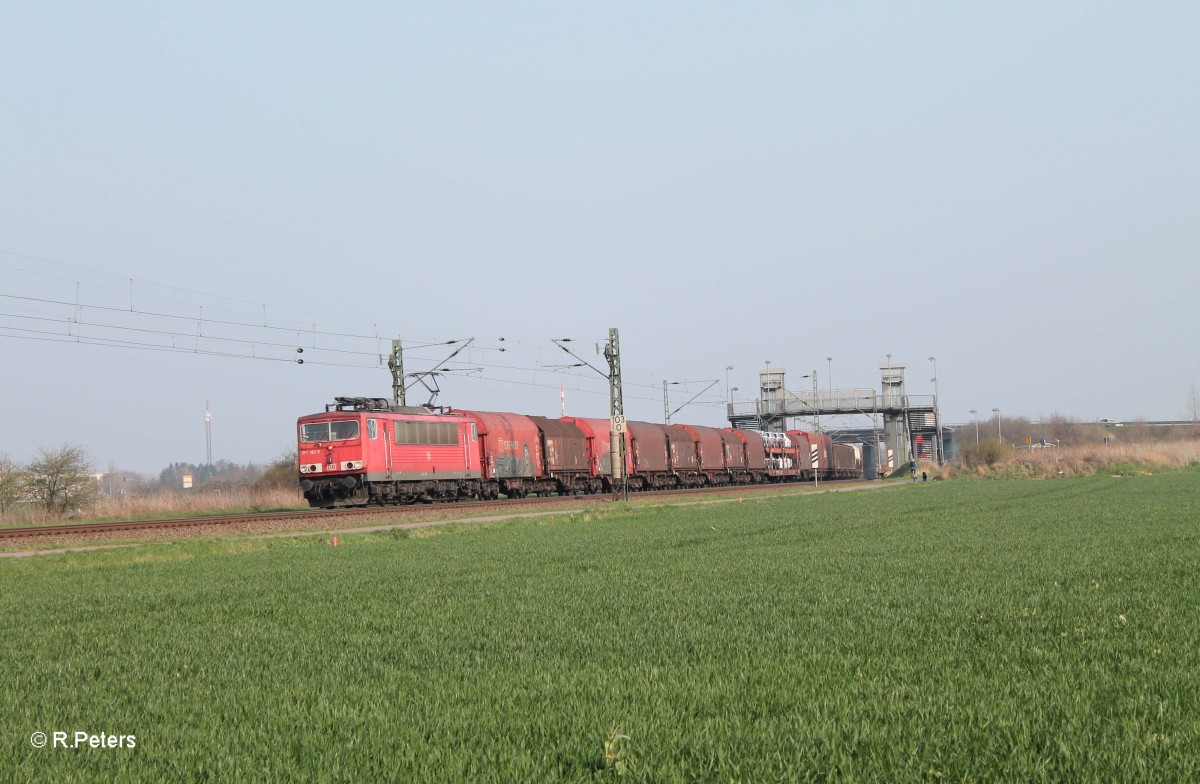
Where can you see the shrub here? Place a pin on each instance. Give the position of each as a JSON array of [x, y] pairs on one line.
[[987, 453], [283, 473], [13, 481]]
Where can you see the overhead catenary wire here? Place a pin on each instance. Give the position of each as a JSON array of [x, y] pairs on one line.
[[127, 344], [190, 318], [136, 290], [184, 335], [97, 340], [199, 322], [309, 321], [141, 283], [53, 337]]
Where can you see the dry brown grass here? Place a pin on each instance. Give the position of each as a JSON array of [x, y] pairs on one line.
[[1090, 459], [171, 504]]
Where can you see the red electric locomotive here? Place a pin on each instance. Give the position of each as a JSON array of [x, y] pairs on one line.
[[363, 450]]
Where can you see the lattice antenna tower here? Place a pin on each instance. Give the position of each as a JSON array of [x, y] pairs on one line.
[[208, 432]]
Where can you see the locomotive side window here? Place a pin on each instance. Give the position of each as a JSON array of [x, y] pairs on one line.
[[371, 431], [315, 432], [427, 433]]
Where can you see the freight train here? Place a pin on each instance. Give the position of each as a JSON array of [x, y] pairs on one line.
[[364, 450]]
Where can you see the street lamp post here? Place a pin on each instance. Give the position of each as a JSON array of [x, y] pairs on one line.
[[829, 375], [728, 392], [975, 416], [999, 436]]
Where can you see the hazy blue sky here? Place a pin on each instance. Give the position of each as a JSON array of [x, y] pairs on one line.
[[1012, 187]]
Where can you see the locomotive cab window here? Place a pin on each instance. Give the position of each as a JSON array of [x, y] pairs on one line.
[[371, 431], [315, 432]]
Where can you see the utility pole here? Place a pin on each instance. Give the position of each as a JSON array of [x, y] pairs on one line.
[[616, 404], [667, 412], [396, 365]]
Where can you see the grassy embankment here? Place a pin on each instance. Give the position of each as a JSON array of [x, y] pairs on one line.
[[1020, 631], [993, 460], [155, 506]]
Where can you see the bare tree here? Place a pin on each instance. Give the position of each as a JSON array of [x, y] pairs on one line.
[[61, 479], [1194, 402], [12, 483], [1060, 428]]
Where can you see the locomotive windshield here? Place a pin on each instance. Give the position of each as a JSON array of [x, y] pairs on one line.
[[329, 431]]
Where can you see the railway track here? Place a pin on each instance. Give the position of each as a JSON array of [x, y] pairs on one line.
[[418, 510], [135, 525]]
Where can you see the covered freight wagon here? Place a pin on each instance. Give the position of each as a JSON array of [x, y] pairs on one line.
[[510, 448], [754, 455], [565, 449], [820, 452], [651, 456], [598, 435], [709, 445], [847, 463]]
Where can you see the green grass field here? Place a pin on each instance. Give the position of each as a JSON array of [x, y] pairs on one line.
[[954, 631]]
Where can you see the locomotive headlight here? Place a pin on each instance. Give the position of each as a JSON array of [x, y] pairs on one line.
[[304, 469], [352, 465]]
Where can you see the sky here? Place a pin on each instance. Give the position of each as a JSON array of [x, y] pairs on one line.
[[1012, 188]]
